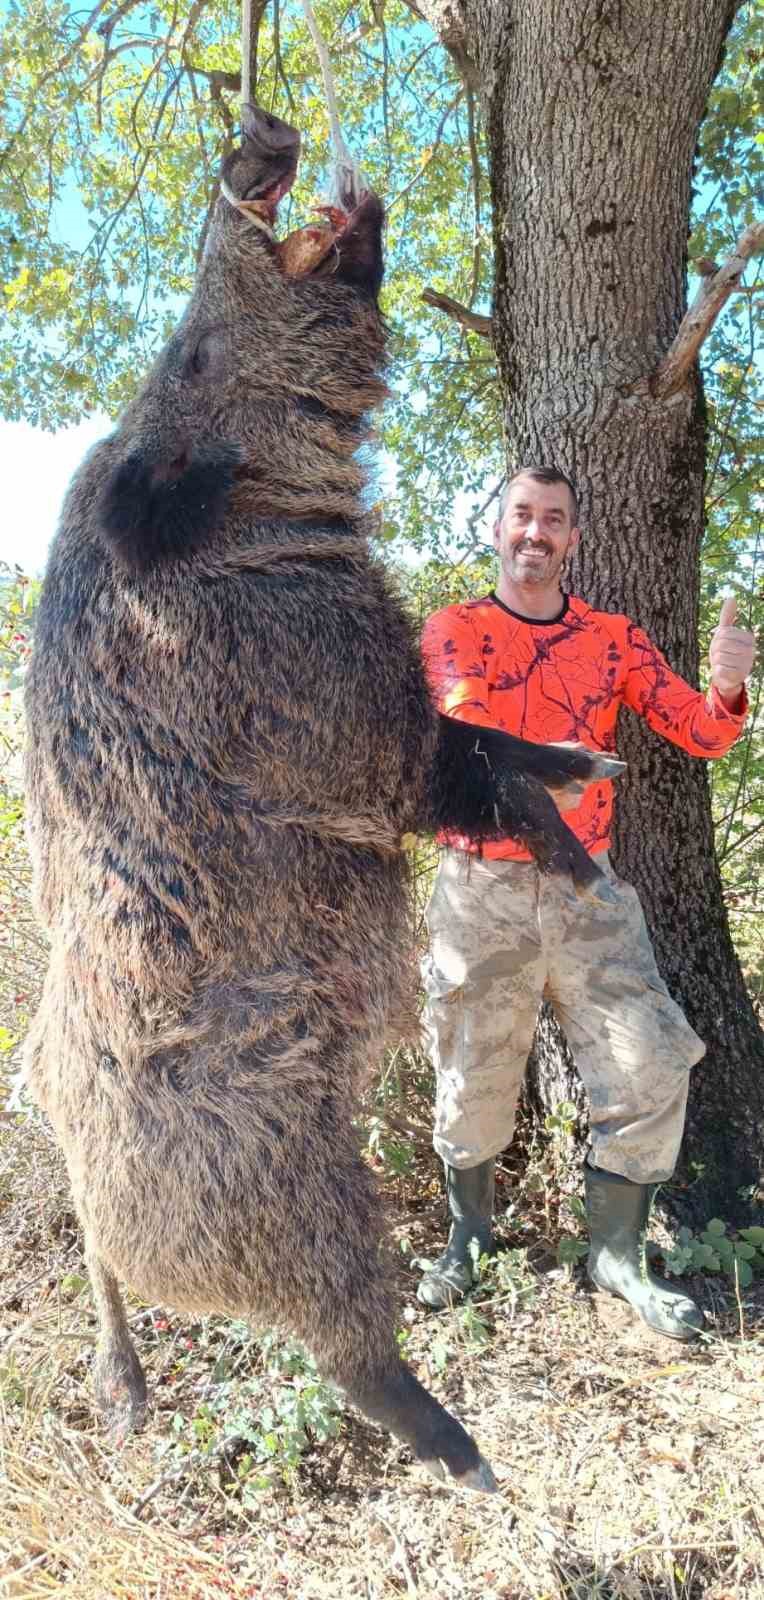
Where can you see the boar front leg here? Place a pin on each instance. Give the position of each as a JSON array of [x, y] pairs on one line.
[[490, 785], [118, 1380]]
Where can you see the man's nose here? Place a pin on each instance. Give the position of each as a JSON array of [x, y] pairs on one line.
[[533, 530]]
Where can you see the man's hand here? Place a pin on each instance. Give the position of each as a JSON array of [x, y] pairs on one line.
[[731, 654]]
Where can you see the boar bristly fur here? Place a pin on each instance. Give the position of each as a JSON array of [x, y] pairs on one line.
[[229, 733]]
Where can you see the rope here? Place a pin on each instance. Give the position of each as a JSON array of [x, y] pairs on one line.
[[348, 182]]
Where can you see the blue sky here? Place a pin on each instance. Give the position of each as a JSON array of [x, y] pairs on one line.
[[35, 468]]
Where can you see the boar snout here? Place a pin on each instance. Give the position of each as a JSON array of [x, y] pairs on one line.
[[269, 132], [264, 166]]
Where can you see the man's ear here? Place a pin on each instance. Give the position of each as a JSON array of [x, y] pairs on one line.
[[574, 540], [497, 534]]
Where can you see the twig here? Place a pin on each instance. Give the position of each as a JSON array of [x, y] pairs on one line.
[[378, 12], [713, 294], [56, 71], [727, 427], [400, 1552], [432, 152], [453, 308], [280, 73], [741, 1316], [217, 78], [630, 1383], [676, 1546], [193, 1459], [738, 843]]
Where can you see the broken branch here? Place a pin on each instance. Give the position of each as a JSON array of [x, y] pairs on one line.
[[695, 326], [453, 308]]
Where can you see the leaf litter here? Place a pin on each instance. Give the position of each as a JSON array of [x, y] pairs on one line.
[[628, 1468]]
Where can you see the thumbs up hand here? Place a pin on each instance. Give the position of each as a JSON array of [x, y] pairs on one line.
[[731, 654]]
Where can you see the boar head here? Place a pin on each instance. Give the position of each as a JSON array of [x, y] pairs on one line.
[[258, 403]]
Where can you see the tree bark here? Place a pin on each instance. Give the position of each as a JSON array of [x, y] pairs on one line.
[[592, 109]]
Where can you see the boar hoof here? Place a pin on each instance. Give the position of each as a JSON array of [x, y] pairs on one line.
[[479, 1477], [120, 1391]]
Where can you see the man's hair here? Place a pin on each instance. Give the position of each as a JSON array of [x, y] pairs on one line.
[[539, 475]]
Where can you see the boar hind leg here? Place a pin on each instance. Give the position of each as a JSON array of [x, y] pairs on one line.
[[118, 1381], [341, 1303], [397, 1400]]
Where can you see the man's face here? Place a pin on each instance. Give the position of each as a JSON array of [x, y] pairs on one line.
[[536, 531]]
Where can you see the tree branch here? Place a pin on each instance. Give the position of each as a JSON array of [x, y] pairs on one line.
[[217, 78], [446, 19], [432, 152], [476, 186], [252, 12], [55, 71], [712, 296], [453, 308]]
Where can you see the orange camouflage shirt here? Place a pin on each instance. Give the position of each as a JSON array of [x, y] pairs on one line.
[[565, 680]]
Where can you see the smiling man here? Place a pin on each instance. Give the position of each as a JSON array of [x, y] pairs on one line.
[[538, 662]]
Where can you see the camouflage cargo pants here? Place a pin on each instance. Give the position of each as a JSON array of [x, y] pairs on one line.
[[502, 936]]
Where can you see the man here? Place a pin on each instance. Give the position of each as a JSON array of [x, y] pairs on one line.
[[542, 664]]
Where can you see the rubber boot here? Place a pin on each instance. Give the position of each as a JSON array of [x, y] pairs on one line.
[[469, 1192], [618, 1212]]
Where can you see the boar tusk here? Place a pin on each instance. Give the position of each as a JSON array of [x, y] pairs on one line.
[[245, 207]]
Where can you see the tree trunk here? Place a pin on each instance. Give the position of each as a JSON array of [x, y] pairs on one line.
[[592, 109]]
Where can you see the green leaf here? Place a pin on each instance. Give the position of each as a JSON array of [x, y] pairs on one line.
[[73, 1283]]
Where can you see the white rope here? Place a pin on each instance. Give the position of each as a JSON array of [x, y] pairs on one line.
[[348, 182]]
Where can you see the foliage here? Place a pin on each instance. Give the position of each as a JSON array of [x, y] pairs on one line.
[[714, 1250], [110, 137], [21, 946], [263, 1407], [728, 180]]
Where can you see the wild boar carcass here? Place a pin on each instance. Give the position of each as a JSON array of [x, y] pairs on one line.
[[229, 735]]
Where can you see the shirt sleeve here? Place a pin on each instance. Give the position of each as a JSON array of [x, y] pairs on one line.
[[455, 667], [699, 723]]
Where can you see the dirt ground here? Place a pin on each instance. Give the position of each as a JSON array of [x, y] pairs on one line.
[[628, 1467]]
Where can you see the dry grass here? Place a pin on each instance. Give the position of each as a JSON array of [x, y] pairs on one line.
[[629, 1469]]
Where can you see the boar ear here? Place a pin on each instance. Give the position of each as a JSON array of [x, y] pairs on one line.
[[359, 246], [153, 510]]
